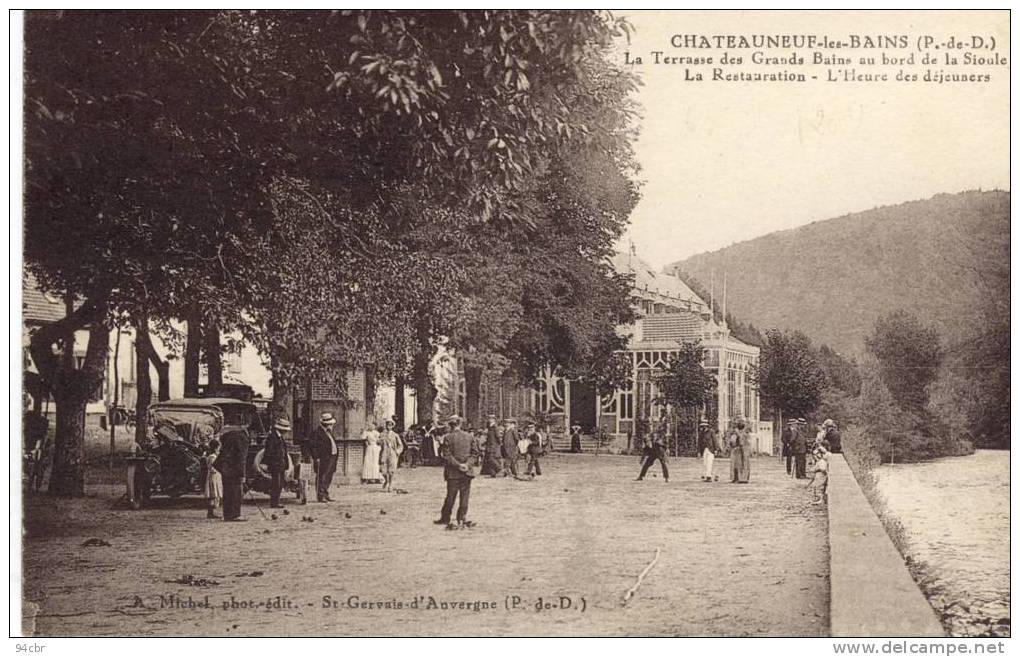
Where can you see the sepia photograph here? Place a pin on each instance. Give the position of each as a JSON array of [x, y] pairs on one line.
[[512, 323]]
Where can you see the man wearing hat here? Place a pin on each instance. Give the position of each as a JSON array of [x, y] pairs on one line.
[[789, 431], [708, 445], [230, 463], [325, 452], [510, 453], [799, 448], [461, 454], [493, 449], [276, 460], [537, 447], [655, 450]]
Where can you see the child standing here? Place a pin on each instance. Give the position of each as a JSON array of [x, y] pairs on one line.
[[820, 480], [213, 479]]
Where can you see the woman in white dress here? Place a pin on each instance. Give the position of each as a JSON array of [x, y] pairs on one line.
[[370, 473]]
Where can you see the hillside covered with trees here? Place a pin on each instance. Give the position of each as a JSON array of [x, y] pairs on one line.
[[919, 291], [939, 258]]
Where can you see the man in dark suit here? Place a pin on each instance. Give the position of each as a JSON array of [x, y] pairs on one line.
[[510, 452], [324, 450], [461, 454], [493, 449], [231, 465], [799, 447], [656, 452], [788, 433], [275, 458]]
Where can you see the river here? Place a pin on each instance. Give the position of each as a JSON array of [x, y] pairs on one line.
[[955, 513]]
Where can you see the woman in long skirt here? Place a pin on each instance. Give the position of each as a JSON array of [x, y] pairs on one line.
[[370, 473], [740, 454]]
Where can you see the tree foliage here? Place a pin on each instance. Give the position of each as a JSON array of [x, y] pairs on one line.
[[909, 354], [788, 375], [685, 383], [255, 170]]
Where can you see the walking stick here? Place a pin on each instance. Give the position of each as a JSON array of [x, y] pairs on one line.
[[256, 502]]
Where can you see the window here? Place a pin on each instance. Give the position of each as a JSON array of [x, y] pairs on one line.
[[626, 401], [644, 394], [731, 393], [233, 363], [541, 396]]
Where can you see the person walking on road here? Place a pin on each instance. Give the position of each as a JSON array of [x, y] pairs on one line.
[[510, 453], [461, 455], [740, 453], [537, 447], [370, 472], [655, 451], [274, 457], [392, 447], [708, 446], [325, 451], [231, 465], [799, 448]]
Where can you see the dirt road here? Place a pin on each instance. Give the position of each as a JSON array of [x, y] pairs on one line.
[[734, 560]]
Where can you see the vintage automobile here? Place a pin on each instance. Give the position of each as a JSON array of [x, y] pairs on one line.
[[173, 462]]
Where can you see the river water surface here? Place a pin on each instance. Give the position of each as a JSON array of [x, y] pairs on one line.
[[956, 515]]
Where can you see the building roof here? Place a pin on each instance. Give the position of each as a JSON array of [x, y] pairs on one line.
[[36, 307], [670, 327], [647, 279]]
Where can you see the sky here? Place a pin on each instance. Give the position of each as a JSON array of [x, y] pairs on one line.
[[724, 162]]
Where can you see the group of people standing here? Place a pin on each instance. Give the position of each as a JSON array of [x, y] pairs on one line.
[[383, 447], [506, 445], [797, 443], [496, 452], [738, 438]]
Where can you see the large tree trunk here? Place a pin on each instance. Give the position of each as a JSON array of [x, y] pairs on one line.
[[283, 404], [67, 477], [213, 356], [473, 394], [192, 355], [163, 378], [71, 388], [144, 343], [398, 402], [425, 389], [143, 379]]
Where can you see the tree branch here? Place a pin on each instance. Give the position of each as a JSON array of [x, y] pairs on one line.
[[42, 340]]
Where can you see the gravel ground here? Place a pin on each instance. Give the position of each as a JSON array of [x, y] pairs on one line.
[[734, 560]]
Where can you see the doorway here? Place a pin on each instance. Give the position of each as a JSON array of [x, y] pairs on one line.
[[582, 406]]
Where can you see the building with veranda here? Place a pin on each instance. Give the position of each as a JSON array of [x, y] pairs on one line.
[[669, 312]]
